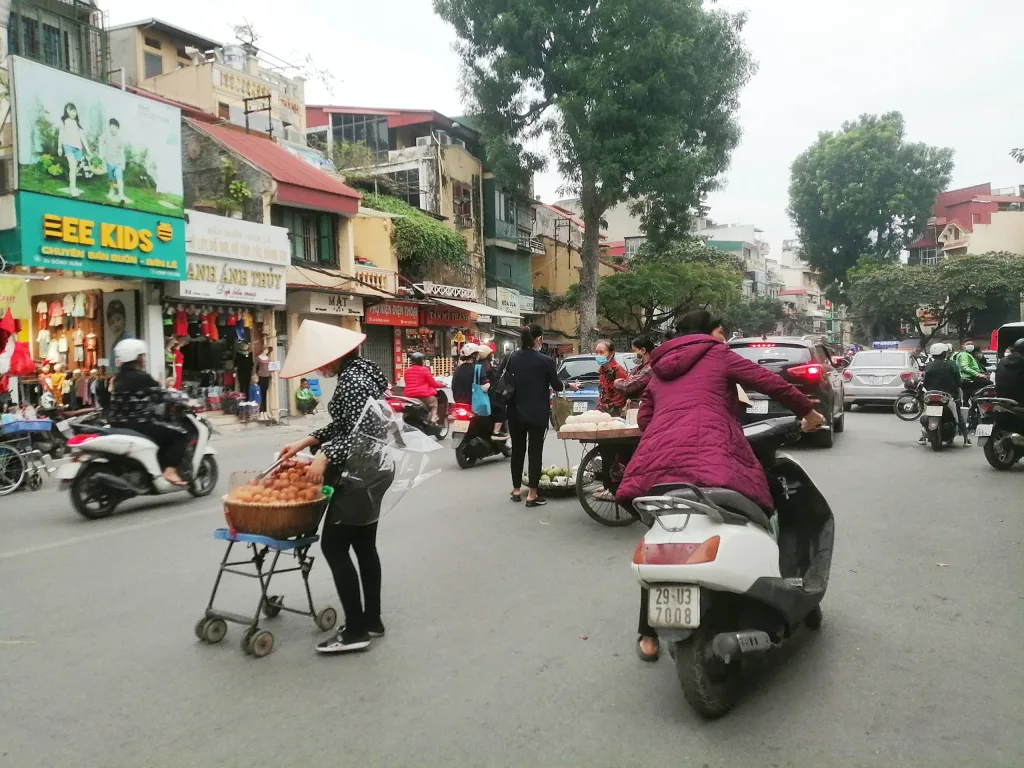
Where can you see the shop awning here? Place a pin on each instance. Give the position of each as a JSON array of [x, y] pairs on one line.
[[475, 307]]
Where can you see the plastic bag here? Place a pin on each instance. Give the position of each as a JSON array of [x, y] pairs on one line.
[[387, 460], [481, 402], [561, 410], [21, 360]]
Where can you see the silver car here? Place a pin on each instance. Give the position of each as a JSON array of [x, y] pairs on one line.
[[877, 376]]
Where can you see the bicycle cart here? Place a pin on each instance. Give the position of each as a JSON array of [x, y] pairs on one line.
[[20, 461], [592, 477]]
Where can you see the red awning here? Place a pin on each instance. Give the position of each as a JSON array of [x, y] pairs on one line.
[[304, 197]]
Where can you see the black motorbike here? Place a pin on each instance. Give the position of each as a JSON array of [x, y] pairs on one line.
[[477, 442], [1000, 431], [940, 419], [416, 414]]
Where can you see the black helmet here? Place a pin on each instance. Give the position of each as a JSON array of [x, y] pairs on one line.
[[1018, 346], [416, 357]]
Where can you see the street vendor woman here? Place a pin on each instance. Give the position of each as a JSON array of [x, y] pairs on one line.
[[351, 520]]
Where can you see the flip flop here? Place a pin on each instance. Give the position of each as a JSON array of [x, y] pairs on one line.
[[648, 657]]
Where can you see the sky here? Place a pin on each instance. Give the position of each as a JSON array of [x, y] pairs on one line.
[[954, 69]]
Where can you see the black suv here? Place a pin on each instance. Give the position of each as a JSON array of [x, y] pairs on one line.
[[807, 365]]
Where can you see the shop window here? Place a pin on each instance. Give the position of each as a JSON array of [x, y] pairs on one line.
[[154, 64], [312, 235], [223, 111]]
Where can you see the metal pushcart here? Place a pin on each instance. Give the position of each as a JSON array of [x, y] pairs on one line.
[[258, 642], [594, 479], [20, 461]]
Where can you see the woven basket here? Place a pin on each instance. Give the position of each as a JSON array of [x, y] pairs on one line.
[[278, 521]]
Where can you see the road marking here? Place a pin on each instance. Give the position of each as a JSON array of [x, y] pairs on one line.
[[142, 525]]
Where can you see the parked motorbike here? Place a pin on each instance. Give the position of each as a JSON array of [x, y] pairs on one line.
[[1000, 432], [477, 443], [111, 465], [940, 419], [728, 582], [971, 403], [909, 406], [417, 415]]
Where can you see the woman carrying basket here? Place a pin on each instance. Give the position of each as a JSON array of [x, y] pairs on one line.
[[351, 520]]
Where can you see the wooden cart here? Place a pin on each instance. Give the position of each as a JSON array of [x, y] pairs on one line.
[[591, 475]]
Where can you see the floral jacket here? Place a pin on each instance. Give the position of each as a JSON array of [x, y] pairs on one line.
[[609, 399]]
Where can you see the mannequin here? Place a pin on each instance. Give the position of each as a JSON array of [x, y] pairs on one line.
[[263, 372], [57, 384]]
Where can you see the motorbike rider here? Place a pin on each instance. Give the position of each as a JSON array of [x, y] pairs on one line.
[[421, 384], [943, 375], [972, 375], [136, 403], [462, 379], [1010, 375]]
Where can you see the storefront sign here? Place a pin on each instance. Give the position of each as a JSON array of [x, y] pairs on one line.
[[229, 280], [83, 140], [326, 304], [525, 303], [443, 317], [398, 313], [484, 319], [399, 356], [505, 298], [70, 234], [211, 235]]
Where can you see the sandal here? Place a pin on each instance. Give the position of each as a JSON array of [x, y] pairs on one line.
[[648, 657], [603, 494], [538, 502], [516, 497]]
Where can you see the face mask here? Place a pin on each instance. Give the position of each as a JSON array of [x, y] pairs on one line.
[[601, 359], [969, 347], [639, 359]]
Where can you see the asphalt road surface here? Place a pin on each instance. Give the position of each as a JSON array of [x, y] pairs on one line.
[[511, 634]]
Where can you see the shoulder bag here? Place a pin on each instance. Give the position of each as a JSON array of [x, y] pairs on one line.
[[505, 387], [481, 401]]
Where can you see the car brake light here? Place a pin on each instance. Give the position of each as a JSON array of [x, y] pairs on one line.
[[677, 554], [906, 375], [807, 372], [396, 405], [762, 346], [847, 376], [461, 413], [75, 440]]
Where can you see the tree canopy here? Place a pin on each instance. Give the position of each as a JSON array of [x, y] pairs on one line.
[[754, 316], [636, 99], [863, 191], [934, 296], [687, 250]]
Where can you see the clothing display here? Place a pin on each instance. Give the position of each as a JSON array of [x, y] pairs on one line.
[[78, 339], [91, 303], [90, 350], [78, 310], [42, 314], [56, 313]]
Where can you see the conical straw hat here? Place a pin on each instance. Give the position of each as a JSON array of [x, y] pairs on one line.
[[317, 344]]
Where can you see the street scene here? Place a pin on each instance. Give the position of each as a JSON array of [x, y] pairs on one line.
[[502, 383]]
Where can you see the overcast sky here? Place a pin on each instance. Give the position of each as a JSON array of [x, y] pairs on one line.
[[955, 70]]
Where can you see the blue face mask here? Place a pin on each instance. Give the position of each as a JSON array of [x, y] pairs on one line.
[[601, 359]]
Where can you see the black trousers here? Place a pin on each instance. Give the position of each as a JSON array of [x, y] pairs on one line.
[[171, 442], [361, 607], [264, 386], [644, 628], [526, 441]]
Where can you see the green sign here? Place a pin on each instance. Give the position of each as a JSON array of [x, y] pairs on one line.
[[69, 234]]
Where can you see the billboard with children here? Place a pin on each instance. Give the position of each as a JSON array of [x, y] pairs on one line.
[[95, 143]]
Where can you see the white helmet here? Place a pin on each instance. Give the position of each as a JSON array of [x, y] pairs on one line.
[[129, 350], [939, 349]]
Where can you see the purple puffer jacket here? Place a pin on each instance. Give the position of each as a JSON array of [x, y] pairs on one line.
[[688, 414]]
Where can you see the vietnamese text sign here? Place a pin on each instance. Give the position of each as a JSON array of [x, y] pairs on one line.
[[87, 141], [212, 235], [398, 313], [327, 304], [231, 281]]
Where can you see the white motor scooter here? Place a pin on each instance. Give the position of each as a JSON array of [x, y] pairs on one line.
[[110, 465], [727, 583]]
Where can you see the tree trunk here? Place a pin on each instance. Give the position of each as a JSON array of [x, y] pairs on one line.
[[590, 256]]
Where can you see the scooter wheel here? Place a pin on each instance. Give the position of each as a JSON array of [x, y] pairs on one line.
[[710, 686], [814, 618]]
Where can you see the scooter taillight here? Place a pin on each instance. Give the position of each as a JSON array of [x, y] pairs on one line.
[[677, 554], [396, 405], [77, 440], [461, 413], [936, 398]]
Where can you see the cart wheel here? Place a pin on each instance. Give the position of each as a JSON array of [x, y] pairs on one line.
[[35, 481], [589, 480], [272, 607], [326, 619], [214, 630], [198, 629], [261, 643], [246, 639]]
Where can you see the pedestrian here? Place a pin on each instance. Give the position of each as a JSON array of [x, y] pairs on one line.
[[609, 399], [529, 410], [690, 430], [351, 519]]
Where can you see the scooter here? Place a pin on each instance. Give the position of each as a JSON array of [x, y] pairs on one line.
[[729, 582], [940, 419], [110, 465], [417, 415], [1000, 432], [476, 443]]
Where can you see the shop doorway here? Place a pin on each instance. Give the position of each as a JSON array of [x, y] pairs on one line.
[[379, 348]]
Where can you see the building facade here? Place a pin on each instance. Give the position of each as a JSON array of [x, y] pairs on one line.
[[972, 220]]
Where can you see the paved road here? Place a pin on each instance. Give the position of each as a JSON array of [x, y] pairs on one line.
[[510, 635]]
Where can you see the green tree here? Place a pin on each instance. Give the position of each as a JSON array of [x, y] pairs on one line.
[[934, 296], [636, 98], [688, 250], [864, 190], [1017, 154], [650, 296], [751, 317]]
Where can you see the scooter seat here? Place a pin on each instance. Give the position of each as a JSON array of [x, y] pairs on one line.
[[96, 430], [723, 497]]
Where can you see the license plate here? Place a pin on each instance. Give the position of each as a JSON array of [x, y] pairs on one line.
[[675, 607], [579, 406], [460, 426], [934, 410], [876, 380], [758, 406], [984, 430]]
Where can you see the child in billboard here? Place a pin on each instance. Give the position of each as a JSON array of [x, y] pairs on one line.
[[72, 144], [112, 153]]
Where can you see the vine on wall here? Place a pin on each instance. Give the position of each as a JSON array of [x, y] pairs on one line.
[[420, 241]]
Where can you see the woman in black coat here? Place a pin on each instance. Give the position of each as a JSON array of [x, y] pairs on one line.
[[529, 410]]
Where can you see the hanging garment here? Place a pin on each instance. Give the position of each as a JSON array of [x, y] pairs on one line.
[[91, 303], [42, 340], [53, 352], [79, 308], [42, 311], [181, 323], [56, 313], [211, 320]]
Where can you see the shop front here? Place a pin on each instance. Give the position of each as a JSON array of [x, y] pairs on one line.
[[388, 325], [446, 329], [222, 315], [90, 272]]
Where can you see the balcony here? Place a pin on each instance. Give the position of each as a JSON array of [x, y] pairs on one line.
[[64, 34], [531, 244], [382, 280], [447, 291], [463, 221]]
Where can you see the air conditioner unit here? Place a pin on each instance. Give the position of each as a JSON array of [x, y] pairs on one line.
[[443, 137], [423, 141]]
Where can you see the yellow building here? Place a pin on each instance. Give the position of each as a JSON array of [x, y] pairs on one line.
[[223, 80]]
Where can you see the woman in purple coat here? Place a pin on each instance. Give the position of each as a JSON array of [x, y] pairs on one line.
[[691, 433]]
